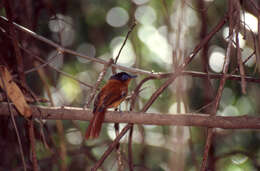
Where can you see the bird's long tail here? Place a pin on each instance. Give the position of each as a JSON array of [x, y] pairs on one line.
[[95, 125]]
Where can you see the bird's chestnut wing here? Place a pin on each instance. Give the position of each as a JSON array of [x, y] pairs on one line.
[[111, 95]]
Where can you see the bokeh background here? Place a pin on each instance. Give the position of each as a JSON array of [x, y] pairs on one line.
[[166, 32]]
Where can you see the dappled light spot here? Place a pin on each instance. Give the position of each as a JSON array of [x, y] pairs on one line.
[[174, 108], [140, 2], [216, 59], [85, 76], [244, 105], [228, 97], [147, 90], [86, 49], [144, 32], [69, 88], [127, 56], [145, 15], [67, 36], [230, 110], [190, 19], [111, 132], [56, 59], [239, 159], [62, 25], [59, 22], [250, 21], [117, 17], [57, 97], [74, 136], [154, 139], [157, 44]]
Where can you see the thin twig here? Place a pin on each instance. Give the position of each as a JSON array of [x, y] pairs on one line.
[[18, 54], [57, 70], [9, 110], [244, 62], [32, 144], [98, 82], [133, 101], [111, 147], [120, 164], [59, 125], [238, 52], [126, 38], [208, 89], [210, 131], [130, 155]]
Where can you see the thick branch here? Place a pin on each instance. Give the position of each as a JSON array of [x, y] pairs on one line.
[[187, 119]]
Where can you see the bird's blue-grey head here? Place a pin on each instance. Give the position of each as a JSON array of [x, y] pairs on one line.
[[122, 76]]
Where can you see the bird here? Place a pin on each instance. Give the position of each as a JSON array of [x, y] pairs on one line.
[[110, 96]]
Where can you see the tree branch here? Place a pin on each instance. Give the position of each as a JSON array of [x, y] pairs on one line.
[[187, 119]]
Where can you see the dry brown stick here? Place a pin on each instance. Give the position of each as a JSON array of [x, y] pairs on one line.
[[9, 109], [120, 164], [187, 119], [32, 144], [132, 104], [240, 64], [220, 89], [137, 90], [238, 50], [218, 76], [97, 84], [244, 62], [59, 125], [130, 155], [256, 7], [208, 89], [42, 65], [258, 38], [126, 38], [14, 36], [254, 4], [111, 147], [208, 92]]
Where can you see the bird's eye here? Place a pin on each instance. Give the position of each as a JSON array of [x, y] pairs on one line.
[[124, 77]]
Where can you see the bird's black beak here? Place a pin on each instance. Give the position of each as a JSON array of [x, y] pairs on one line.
[[133, 76]]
